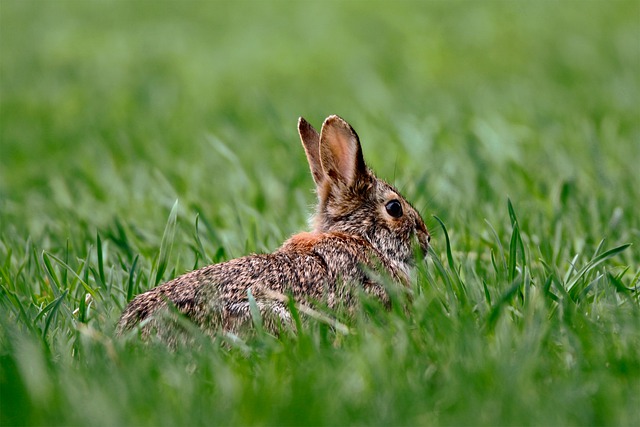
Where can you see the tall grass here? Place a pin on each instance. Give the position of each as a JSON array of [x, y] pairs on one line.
[[139, 141]]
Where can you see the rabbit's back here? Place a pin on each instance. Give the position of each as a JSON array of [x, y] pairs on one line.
[[311, 266]]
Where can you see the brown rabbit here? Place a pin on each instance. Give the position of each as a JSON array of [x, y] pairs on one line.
[[361, 223]]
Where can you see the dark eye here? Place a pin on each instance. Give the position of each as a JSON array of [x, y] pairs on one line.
[[394, 208]]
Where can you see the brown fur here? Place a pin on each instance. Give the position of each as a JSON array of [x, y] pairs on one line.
[[352, 233]]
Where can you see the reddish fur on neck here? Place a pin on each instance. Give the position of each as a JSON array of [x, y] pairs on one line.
[[303, 241]]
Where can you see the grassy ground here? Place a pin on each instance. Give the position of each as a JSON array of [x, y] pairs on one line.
[[516, 124]]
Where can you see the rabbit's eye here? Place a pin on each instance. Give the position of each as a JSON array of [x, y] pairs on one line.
[[394, 208]]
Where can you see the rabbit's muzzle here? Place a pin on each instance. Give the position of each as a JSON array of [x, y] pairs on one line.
[[423, 238]]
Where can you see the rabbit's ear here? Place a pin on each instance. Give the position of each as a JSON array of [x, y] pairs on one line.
[[340, 152], [311, 142]]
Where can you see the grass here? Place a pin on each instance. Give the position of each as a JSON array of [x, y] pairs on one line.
[[141, 140]]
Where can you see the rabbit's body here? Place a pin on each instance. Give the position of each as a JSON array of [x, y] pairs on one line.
[[362, 223], [309, 266]]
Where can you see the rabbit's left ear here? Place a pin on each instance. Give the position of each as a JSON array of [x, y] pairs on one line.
[[311, 142], [340, 152]]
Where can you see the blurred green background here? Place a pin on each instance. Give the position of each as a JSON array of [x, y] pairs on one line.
[[437, 90], [110, 111]]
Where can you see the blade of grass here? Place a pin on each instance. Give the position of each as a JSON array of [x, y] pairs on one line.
[[512, 213], [461, 290], [63, 279], [593, 263], [66, 267], [256, 317], [166, 244], [196, 236], [487, 295], [17, 306], [130, 281], [52, 308], [102, 282], [516, 245], [54, 281], [500, 248], [513, 253], [447, 243], [572, 269], [505, 298]]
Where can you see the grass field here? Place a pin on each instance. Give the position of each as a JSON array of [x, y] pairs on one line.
[[139, 140]]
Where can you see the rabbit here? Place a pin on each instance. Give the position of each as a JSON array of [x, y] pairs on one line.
[[361, 224]]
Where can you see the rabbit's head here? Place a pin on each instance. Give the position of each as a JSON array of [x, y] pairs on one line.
[[352, 200]]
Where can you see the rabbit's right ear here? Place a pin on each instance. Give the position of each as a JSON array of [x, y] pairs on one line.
[[340, 152], [311, 142]]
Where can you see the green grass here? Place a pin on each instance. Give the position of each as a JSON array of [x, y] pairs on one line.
[[515, 124]]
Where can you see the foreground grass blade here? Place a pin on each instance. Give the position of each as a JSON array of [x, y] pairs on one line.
[[513, 252], [505, 298], [460, 290], [503, 260], [166, 244], [130, 281], [256, 316], [54, 281], [102, 282], [447, 243], [52, 310], [593, 263], [516, 245]]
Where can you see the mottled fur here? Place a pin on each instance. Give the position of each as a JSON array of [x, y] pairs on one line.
[[352, 233]]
